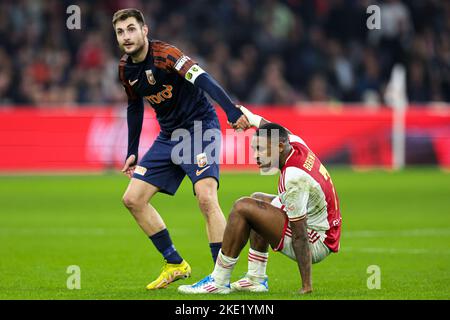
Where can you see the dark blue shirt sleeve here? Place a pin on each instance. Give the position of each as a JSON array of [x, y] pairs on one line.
[[215, 91], [135, 117]]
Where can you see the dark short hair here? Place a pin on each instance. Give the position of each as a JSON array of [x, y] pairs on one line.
[[272, 128], [124, 14]]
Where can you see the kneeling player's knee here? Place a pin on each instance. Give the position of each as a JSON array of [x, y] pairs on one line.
[[241, 206], [258, 196]]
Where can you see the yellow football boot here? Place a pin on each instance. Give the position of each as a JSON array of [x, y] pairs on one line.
[[170, 273]]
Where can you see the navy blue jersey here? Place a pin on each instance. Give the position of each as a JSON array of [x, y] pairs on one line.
[[174, 85], [160, 80]]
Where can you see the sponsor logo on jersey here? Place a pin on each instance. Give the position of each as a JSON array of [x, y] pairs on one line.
[[161, 96], [132, 82], [179, 64], [202, 160], [140, 170], [150, 77]]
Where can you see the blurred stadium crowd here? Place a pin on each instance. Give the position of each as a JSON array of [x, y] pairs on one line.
[[261, 51]]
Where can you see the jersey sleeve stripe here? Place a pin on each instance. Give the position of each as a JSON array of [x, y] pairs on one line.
[[172, 58]]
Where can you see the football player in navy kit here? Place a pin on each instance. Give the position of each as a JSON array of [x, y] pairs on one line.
[[175, 87]]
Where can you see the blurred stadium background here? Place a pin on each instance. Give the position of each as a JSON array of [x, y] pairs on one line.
[[263, 52], [311, 65]]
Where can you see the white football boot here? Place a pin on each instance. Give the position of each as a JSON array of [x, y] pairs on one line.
[[205, 286], [250, 284]]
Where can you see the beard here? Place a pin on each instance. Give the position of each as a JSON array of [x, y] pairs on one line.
[[268, 171], [139, 47]]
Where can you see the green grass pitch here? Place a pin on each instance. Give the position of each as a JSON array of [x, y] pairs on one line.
[[397, 221]]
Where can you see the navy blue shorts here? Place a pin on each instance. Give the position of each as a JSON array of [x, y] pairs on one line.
[[195, 153]]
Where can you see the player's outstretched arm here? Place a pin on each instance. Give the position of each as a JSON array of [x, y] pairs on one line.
[[215, 91], [300, 244], [174, 60]]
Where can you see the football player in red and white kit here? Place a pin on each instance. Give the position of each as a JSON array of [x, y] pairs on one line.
[[303, 221]]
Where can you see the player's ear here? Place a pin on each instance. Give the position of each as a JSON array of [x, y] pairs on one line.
[[281, 147], [145, 29]]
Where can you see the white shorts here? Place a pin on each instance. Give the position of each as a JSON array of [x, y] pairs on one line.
[[319, 250]]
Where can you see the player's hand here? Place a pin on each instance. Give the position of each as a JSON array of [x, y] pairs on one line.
[[128, 167], [253, 120], [241, 124], [305, 290]]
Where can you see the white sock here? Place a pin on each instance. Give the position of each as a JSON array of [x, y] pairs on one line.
[[223, 268], [257, 263]]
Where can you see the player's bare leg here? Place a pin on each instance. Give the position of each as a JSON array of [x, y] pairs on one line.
[[256, 241], [136, 199], [256, 280], [246, 214], [206, 193], [251, 214]]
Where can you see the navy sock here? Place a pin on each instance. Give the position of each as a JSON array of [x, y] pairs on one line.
[[215, 248], [164, 244]]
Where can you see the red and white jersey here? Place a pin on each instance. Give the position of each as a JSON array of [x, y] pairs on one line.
[[305, 188]]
